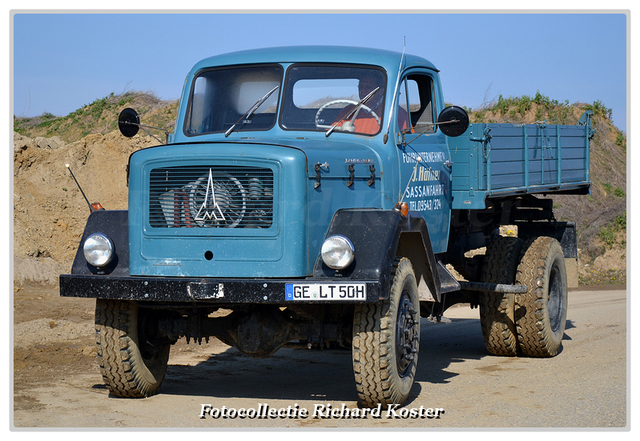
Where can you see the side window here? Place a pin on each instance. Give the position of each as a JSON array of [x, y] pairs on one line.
[[416, 104], [403, 107]]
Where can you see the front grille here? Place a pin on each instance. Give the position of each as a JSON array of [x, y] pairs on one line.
[[211, 197]]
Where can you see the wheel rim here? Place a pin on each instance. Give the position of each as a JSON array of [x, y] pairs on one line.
[[406, 338], [555, 298]]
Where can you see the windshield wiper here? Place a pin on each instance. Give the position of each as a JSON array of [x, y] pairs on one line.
[[349, 115], [252, 110]]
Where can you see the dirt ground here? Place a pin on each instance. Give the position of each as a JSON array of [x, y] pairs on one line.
[[57, 383], [53, 339]]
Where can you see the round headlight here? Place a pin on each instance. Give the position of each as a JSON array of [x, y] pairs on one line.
[[337, 252], [98, 249]]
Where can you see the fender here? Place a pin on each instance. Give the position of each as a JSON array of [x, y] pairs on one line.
[[378, 236], [115, 225]]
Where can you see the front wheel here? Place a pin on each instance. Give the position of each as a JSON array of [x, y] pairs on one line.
[[132, 356], [386, 340], [541, 313]]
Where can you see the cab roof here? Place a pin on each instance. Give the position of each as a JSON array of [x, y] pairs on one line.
[[389, 60]]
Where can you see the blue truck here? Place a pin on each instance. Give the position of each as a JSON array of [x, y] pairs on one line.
[[325, 197]]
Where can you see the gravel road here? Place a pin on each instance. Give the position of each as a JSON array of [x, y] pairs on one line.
[[57, 382]]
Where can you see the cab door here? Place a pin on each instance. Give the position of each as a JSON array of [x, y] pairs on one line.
[[424, 155]]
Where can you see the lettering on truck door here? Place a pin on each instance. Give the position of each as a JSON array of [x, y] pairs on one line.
[[426, 177]]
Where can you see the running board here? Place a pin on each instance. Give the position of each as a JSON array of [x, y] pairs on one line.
[[448, 283], [494, 287]]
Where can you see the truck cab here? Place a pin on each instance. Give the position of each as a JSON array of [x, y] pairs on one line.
[[260, 163]]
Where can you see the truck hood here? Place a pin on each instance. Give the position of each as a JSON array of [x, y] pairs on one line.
[[309, 180], [333, 156]]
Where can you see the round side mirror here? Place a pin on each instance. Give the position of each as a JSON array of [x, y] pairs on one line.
[[128, 122], [453, 121]]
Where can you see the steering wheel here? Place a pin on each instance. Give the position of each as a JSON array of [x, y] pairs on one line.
[[351, 128]]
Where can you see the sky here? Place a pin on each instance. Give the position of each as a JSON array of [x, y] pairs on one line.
[[63, 61]]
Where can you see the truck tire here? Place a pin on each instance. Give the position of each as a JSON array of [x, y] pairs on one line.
[[130, 364], [541, 313], [497, 309], [386, 340]]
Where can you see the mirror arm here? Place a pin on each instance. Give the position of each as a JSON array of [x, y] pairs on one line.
[[129, 124], [143, 127], [403, 132]]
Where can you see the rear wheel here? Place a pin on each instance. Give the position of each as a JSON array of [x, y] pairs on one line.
[[386, 339], [132, 357], [541, 313], [497, 309]]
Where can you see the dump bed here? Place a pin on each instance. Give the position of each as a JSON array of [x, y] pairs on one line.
[[493, 160]]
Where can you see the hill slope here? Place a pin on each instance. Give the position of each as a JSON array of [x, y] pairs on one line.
[[50, 212], [99, 117]]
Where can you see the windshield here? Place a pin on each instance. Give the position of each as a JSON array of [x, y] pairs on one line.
[[234, 99], [324, 98], [334, 98]]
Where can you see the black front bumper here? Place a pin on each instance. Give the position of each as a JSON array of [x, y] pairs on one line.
[[206, 290]]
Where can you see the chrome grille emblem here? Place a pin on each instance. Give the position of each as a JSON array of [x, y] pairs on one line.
[[216, 200], [203, 214]]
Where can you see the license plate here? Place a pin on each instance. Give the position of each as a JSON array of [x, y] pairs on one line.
[[326, 292]]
